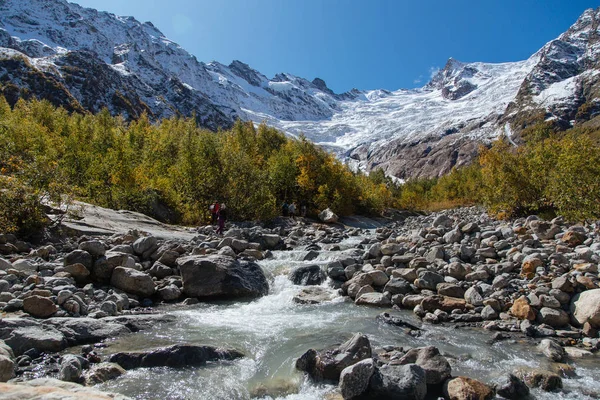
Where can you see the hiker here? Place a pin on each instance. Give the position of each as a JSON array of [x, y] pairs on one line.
[[214, 209], [303, 210], [292, 210], [285, 209], [222, 217]]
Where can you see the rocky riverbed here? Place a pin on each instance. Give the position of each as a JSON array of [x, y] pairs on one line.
[[454, 304]]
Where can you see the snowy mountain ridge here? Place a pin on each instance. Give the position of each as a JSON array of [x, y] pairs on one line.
[[83, 59]]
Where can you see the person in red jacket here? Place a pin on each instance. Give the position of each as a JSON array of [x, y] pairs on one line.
[[222, 219]]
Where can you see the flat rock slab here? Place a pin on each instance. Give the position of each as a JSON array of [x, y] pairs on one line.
[[177, 356], [47, 388], [103, 221]]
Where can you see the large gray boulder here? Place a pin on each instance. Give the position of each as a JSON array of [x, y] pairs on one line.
[[585, 307], [329, 364], [307, 275], [218, 276], [328, 216], [405, 382], [354, 380], [133, 281], [436, 367]]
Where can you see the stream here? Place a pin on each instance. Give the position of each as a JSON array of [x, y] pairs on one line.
[[273, 332]]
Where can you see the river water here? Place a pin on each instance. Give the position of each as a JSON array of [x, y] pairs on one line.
[[273, 332]]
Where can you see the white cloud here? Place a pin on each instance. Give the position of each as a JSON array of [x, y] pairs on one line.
[[433, 71]]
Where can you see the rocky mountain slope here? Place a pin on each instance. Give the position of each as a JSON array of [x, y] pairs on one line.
[[83, 59]]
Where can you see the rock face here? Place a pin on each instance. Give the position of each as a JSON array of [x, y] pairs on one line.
[[177, 356], [133, 281], [218, 276], [585, 307]]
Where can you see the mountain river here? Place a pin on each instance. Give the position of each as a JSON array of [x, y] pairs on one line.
[[273, 332]]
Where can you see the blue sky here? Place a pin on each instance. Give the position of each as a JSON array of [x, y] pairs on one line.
[[370, 44]]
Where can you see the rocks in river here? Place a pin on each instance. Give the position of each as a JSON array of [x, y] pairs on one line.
[[354, 379], [103, 372], [398, 382], [436, 367], [312, 295], [463, 388], [221, 276], [177, 356], [535, 377], [511, 387], [71, 368], [552, 349], [307, 275], [328, 364]]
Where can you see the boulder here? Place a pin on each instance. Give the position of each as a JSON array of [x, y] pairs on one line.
[[39, 307], [373, 299], [221, 276], [307, 275], [436, 367], [473, 297], [448, 304], [329, 364], [463, 388], [88, 330], [169, 293], [397, 286], [535, 377], [551, 349], [585, 307], [354, 380], [95, 247], [312, 295], [144, 245], [70, 368], [573, 238], [522, 309], [103, 372], [405, 382], [23, 338], [79, 257], [105, 265], [450, 290], [428, 280], [49, 388], [25, 266], [556, 318], [133, 281], [177, 356], [511, 387], [7, 368], [328, 216], [160, 270]]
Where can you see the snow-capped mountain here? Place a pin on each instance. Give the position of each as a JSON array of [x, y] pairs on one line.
[[83, 59]]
